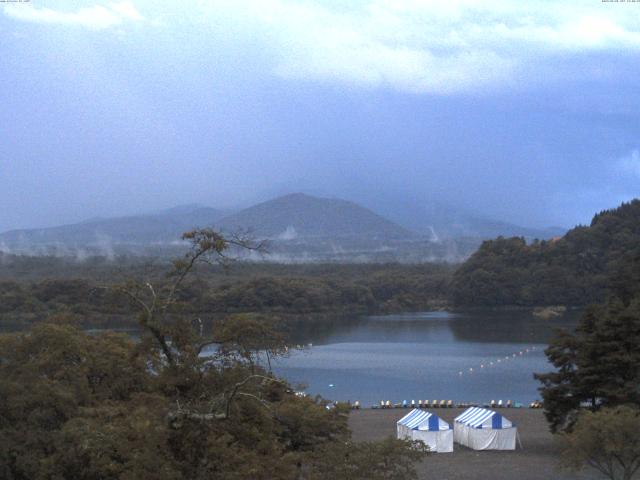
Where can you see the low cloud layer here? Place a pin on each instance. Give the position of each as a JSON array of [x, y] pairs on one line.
[[428, 46], [526, 112], [96, 17]]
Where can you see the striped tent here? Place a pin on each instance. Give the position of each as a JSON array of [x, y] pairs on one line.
[[483, 429], [427, 427]]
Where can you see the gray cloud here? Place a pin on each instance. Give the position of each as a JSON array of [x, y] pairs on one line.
[[96, 17], [524, 111]]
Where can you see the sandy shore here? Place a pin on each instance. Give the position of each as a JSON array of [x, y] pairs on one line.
[[537, 460]]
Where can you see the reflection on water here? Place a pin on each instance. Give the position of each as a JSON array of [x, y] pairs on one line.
[[463, 356]]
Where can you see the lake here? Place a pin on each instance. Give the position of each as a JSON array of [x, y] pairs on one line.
[[463, 356], [475, 356]]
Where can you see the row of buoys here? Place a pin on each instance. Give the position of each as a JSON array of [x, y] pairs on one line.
[[448, 404], [419, 404], [492, 363]]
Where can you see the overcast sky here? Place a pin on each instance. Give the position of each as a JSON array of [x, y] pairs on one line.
[[527, 112]]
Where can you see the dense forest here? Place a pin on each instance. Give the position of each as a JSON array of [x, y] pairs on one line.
[[84, 406], [576, 269], [33, 289]]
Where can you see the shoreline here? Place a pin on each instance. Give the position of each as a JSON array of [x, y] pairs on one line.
[[537, 460]]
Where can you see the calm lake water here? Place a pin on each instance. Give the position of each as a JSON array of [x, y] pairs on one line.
[[428, 356], [419, 356]]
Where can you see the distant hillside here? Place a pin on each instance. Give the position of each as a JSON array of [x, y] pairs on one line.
[[576, 269], [299, 216], [299, 228], [449, 222], [162, 227], [472, 226], [439, 220]]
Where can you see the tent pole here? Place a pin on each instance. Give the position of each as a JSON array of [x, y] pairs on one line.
[[519, 441]]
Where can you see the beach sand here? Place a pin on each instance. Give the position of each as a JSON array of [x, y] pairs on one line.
[[537, 460]]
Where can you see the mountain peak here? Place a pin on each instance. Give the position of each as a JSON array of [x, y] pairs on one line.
[[181, 209], [311, 216], [303, 198]]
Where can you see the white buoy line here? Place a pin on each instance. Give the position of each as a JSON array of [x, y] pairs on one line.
[[497, 361]]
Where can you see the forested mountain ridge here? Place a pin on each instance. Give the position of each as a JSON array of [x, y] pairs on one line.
[[574, 270]]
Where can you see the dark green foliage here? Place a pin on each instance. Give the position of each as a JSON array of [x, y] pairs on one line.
[[81, 406], [606, 440], [51, 376], [84, 407], [389, 459], [573, 270], [312, 290], [598, 365]]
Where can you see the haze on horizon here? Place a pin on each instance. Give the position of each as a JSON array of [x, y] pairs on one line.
[[523, 112]]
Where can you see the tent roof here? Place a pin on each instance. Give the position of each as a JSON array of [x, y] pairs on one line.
[[477, 417], [423, 420]]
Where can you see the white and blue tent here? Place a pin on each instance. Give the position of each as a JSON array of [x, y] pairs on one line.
[[428, 428], [482, 429]]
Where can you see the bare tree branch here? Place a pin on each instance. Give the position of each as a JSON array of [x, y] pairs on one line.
[[237, 386]]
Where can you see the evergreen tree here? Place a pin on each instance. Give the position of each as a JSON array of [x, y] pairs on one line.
[[597, 366], [573, 270]]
